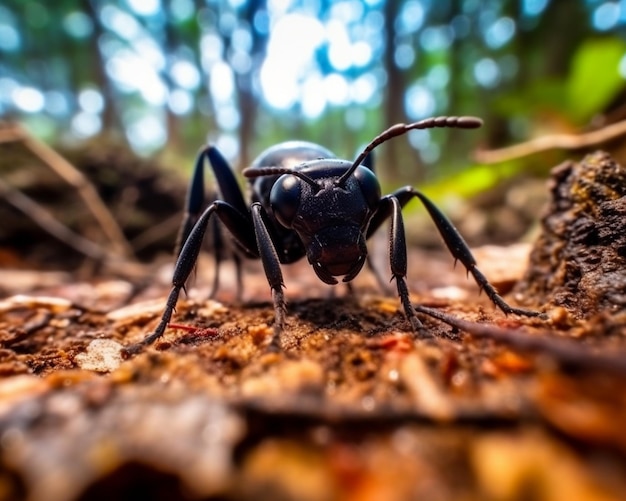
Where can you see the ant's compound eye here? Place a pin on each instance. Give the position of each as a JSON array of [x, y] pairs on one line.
[[285, 199], [370, 187]]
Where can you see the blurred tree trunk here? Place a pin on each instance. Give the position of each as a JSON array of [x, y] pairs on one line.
[[460, 101], [562, 28], [399, 161], [543, 48], [111, 120], [170, 46], [394, 103], [244, 82], [203, 122]]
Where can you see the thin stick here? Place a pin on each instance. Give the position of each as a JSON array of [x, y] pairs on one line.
[[563, 350], [557, 141], [9, 134], [75, 178], [49, 223], [168, 227]]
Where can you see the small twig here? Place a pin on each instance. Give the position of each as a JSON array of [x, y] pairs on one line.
[[557, 141], [41, 320], [9, 134], [156, 232], [293, 411], [424, 389], [563, 350], [42, 217], [75, 178]]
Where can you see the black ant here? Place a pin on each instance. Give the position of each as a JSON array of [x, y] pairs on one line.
[[306, 202]]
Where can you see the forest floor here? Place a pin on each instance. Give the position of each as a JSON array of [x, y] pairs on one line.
[[354, 407]]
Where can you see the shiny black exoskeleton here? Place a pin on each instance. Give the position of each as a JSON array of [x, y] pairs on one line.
[[306, 202], [288, 155]]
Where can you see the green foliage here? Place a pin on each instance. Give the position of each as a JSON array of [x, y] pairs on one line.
[[539, 96], [471, 181], [594, 79]]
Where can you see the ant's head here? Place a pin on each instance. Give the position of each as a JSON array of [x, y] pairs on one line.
[[330, 220], [337, 250], [329, 202]]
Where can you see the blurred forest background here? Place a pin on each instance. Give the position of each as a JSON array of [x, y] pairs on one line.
[[163, 77], [172, 74]]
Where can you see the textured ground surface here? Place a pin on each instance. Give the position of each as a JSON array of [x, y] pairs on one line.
[[355, 407]]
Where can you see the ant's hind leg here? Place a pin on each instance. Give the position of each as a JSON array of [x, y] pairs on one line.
[[193, 203]]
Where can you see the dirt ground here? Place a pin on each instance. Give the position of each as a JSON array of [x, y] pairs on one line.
[[354, 407]]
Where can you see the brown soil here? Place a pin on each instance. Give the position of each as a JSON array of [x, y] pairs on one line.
[[355, 406]]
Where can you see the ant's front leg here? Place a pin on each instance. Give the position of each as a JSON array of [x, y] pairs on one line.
[[184, 265], [273, 273], [398, 258], [460, 250], [233, 219]]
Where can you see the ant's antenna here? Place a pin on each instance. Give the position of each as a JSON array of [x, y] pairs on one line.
[[399, 129], [252, 172]]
